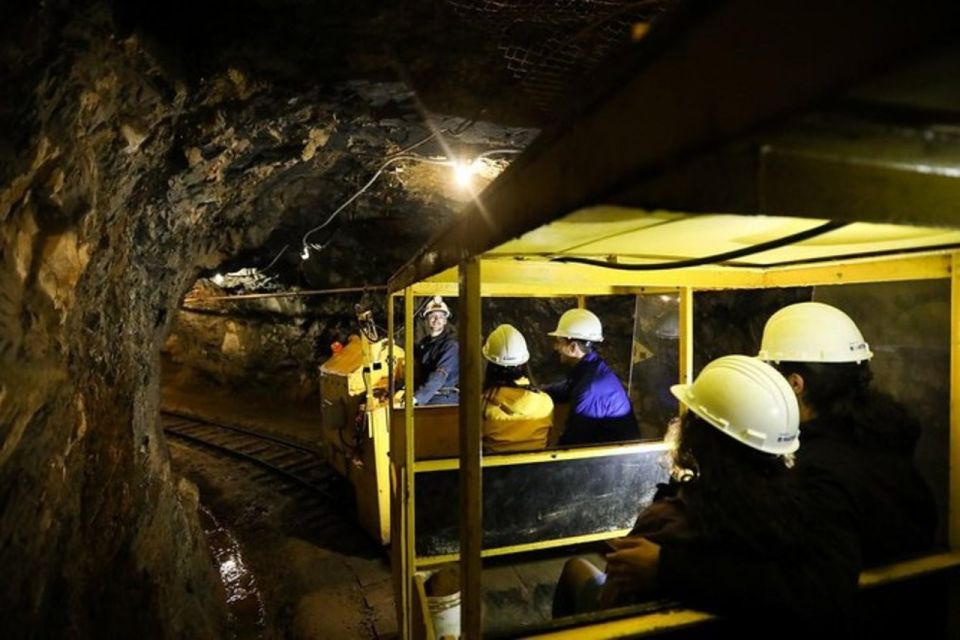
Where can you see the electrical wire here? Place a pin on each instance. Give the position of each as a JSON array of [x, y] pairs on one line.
[[719, 257], [493, 152], [275, 258], [369, 183], [403, 154]]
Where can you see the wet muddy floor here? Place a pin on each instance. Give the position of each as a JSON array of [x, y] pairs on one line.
[[295, 562]]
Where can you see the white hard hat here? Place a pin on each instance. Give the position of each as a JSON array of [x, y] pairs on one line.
[[579, 324], [506, 346], [436, 304], [812, 332], [748, 400]]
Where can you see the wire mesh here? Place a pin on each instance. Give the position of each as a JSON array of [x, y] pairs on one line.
[[550, 45]]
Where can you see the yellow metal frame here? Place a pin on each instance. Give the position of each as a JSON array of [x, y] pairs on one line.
[[508, 278]]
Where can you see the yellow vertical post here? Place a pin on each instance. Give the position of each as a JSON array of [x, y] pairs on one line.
[[402, 548], [408, 451], [581, 302], [686, 335], [471, 480], [953, 494], [391, 361]]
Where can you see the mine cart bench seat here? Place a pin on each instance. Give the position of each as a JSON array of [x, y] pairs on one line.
[[531, 500], [667, 619]]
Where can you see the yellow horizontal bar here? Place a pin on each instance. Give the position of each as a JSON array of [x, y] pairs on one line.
[[888, 269], [648, 623], [542, 278], [677, 618], [906, 569], [429, 561], [535, 457]]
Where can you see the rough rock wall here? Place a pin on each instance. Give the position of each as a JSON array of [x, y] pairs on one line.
[[123, 183]]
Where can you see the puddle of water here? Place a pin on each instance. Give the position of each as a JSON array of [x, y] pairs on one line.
[[244, 603]]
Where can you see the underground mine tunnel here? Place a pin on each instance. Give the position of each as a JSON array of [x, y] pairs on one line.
[[216, 215]]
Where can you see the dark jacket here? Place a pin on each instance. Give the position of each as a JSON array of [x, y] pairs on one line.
[[895, 513], [814, 578], [600, 410], [436, 369], [866, 504]]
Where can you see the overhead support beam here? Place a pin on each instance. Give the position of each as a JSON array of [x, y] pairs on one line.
[[843, 172], [765, 59]]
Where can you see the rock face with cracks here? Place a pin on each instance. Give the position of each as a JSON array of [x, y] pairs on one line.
[[122, 182]]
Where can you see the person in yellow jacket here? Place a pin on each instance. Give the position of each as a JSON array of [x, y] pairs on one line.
[[516, 417]]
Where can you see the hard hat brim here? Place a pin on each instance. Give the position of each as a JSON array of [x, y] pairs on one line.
[[684, 393]]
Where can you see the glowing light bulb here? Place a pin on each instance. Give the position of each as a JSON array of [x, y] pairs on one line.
[[463, 172], [305, 254]]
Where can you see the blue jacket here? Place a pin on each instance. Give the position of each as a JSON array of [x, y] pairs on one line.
[[437, 369], [600, 410]]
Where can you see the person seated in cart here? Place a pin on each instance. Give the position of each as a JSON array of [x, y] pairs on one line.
[[516, 416], [853, 434], [600, 410], [731, 487], [855, 469], [436, 358]]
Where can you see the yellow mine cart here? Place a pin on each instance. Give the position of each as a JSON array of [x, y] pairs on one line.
[[664, 182], [355, 411]]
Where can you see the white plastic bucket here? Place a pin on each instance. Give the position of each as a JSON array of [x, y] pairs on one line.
[[445, 613]]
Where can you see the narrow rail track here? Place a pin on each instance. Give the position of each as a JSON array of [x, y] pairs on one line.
[[294, 461]]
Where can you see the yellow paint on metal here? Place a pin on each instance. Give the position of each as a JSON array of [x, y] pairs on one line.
[[404, 534], [650, 623], [953, 499], [913, 568], [380, 434], [523, 267], [538, 457], [471, 476], [888, 269], [429, 561], [422, 621], [659, 235], [543, 278], [685, 366]]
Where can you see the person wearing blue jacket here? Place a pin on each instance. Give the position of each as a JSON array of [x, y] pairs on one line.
[[437, 364], [600, 410]]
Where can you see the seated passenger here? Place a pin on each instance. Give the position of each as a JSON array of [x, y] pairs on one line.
[[516, 417], [853, 435], [600, 410], [437, 358], [732, 489]]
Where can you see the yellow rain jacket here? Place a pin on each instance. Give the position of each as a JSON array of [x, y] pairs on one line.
[[516, 419]]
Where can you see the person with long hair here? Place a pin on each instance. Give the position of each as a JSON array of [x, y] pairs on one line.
[[852, 433], [731, 487], [854, 471], [516, 416]]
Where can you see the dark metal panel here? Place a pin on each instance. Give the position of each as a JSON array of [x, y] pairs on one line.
[[530, 503]]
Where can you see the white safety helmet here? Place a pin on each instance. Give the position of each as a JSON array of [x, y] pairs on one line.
[[748, 400], [812, 332], [506, 346], [436, 304], [579, 324]]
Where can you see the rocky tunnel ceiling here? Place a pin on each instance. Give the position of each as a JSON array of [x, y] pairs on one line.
[[276, 113], [148, 144]]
